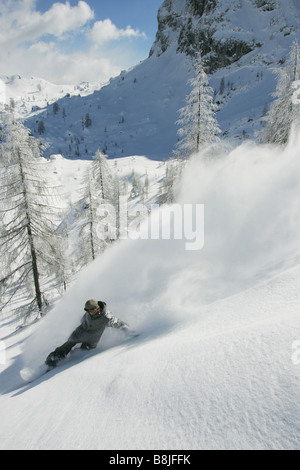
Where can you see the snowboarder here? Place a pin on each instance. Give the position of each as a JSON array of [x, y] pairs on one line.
[[92, 326]]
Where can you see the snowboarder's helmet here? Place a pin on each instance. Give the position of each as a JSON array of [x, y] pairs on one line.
[[91, 304]]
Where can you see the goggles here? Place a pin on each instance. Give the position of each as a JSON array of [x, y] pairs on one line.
[[92, 310]]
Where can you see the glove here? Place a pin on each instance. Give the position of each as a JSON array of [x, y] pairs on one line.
[[129, 332]]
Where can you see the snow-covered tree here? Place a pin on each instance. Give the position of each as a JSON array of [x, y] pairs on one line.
[[93, 221], [29, 244], [296, 99], [198, 124], [87, 226], [136, 189], [284, 110], [173, 172], [117, 192], [146, 191], [102, 177]]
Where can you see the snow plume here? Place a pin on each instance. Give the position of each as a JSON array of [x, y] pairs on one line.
[[252, 224], [252, 215]]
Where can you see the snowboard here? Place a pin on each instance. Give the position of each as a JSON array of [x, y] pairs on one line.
[[30, 374]]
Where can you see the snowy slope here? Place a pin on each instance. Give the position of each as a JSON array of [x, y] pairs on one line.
[[129, 116], [215, 365], [29, 95], [224, 380]]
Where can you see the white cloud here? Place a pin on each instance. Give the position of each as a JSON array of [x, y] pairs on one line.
[[20, 22], [71, 68], [45, 60], [62, 18], [33, 43], [104, 31]]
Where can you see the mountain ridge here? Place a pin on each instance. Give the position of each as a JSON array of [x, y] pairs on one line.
[[27, 95], [218, 28]]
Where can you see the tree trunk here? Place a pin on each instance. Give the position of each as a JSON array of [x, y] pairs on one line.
[[35, 272], [199, 119], [91, 224]]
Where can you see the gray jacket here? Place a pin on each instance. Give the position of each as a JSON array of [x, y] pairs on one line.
[[92, 327]]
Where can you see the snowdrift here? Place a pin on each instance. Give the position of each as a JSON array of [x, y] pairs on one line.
[[213, 366]]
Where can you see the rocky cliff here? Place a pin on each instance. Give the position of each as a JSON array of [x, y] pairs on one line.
[[223, 30]]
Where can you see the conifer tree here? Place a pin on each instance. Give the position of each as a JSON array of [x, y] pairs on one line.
[[136, 187], [88, 235], [28, 241], [117, 192], [120, 191], [284, 110], [167, 194], [94, 227], [102, 177], [198, 124]]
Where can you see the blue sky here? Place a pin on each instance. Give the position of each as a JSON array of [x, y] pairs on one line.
[[74, 41], [140, 14]]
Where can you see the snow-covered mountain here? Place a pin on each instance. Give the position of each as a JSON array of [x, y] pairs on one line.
[[224, 31], [135, 114], [29, 95]]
